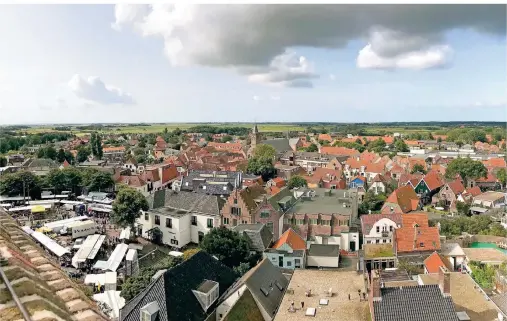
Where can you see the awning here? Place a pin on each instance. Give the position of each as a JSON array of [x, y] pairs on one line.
[[38, 209], [478, 209]]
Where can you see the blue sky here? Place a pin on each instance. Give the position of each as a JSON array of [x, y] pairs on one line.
[[243, 64]]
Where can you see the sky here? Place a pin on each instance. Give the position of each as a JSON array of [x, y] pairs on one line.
[[245, 63]]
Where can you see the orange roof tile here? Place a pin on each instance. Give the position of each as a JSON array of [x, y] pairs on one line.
[[495, 162], [405, 197], [114, 149], [338, 151], [291, 238], [433, 180], [435, 261], [279, 182], [412, 239], [325, 137], [456, 186], [419, 218], [272, 190], [474, 191]]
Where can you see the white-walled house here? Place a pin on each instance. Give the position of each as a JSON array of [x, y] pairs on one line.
[[288, 252], [378, 185], [379, 228], [179, 218]]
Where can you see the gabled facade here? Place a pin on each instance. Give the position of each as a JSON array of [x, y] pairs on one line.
[[402, 200], [379, 228], [288, 252]]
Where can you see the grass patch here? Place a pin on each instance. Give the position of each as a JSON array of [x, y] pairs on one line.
[[378, 250], [245, 309]]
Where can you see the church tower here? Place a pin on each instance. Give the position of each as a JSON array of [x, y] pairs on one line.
[[255, 138]]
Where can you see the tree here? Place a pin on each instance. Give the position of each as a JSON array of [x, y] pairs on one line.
[[439, 139], [242, 268], [261, 166], [467, 168], [264, 151], [227, 245], [371, 202], [12, 184], [127, 207], [377, 145], [418, 168], [501, 174], [69, 157], [463, 208], [101, 181], [227, 138], [312, 148], [297, 181], [60, 156], [82, 154], [65, 179], [189, 253], [3, 161], [400, 146]]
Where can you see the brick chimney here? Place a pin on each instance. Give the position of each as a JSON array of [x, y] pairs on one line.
[[375, 285], [444, 280]]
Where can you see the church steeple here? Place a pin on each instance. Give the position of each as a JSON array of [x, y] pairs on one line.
[[255, 129]]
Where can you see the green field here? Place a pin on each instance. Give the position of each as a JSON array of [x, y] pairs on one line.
[[159, 128]]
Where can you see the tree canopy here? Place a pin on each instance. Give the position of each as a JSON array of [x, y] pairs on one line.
[[312, 148], [100, 181], [261, 166], [127, 206], [12, 184], [418, 168], [371, 202], [466, 168], [297, 181], [478, 224], [67, 179], [262, 151], [227, 245]]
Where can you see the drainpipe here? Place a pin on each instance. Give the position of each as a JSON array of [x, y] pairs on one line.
[[20, 306]]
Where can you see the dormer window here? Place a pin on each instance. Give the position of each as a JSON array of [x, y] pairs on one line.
[[207, 293], [149, 312]]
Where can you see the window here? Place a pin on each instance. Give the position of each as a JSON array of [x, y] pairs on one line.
[[244, 222], [300, 221], [288, 263], [175, 242], [265, 213], [226, 221], [157, 220], [377, 241], [236, 211], [210, 223], [269, 225], [194, 220], [235, 201], [313, 221], [146, 216], [297, 263], [145, 316], [390, 228], [168, 223], [421, 244], [378, 229]]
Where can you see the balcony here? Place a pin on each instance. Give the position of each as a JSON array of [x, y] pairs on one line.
[[385, 234]]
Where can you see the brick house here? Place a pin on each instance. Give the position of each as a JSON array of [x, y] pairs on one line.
[[401, 201], [449, 194], [253, 205]]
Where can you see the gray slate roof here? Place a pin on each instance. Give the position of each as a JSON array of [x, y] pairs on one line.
[[173, 290], [186, 201], [264, 275], [260, 236], [281, 145], [211, 182], [414, 303], [328, 250], [501, 301]]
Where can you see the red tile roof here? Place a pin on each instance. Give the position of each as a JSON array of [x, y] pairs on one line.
[[435, 261], [367, 221], [291, 238], [412, 239], [338, 151], [169, 173], [474, 191], [279, 182], [405, 197], [490, 179], [114, 149], [419, 218], [325, 137], [433, 180], [456, 186], [495, 163]]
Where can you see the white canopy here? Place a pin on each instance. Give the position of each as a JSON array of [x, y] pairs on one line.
[[113, 300], [115, 259], [50, 244]]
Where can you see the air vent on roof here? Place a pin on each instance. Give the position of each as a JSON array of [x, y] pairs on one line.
[[311, 312], [279, 286], [264, 291]]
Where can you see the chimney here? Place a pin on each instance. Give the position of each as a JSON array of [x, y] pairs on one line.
[[415, 236], [444, 280], [375, 285]]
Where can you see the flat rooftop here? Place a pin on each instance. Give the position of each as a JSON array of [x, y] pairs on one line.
[[324, 203], [466, 297], [489, 196], [373, 251], [319, 282], [485, 255]]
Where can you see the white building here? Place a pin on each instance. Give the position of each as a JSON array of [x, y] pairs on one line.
[[180, 218], [379, 228]]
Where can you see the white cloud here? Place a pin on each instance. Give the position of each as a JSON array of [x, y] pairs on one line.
[[287, 70], [247, 37], [332, 77], [273, 97], [432, 57], [93, 89], [256, 98]]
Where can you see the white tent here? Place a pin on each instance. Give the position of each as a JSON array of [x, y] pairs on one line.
[[50, 244]]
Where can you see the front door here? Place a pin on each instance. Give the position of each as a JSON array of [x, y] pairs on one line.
[[352, 246], [201, 236], [280, 261]]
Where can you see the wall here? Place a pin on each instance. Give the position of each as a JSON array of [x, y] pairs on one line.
[[226, 305], [202, 226], [322, 261]]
